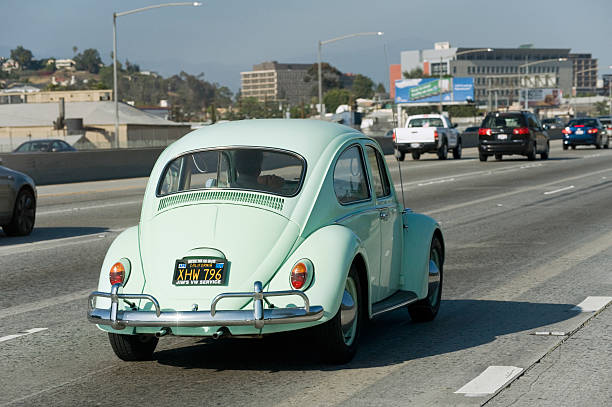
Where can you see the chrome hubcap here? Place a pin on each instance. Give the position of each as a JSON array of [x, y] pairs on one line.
[[434, 277], [348, 311]]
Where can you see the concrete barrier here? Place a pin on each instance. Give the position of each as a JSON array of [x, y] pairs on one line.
[[79, 166]]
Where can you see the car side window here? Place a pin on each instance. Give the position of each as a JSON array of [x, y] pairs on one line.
[[379, 174], [532, 122], [350, 183], [24, 147]]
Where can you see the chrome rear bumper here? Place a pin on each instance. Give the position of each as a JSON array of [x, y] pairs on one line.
[[256, 317]]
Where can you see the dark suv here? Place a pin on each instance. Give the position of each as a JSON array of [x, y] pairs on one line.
[[512, 133]]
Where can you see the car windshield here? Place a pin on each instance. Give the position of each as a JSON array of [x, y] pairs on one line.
[[426, 122], [254, 169], [503, 120], [583, 122]]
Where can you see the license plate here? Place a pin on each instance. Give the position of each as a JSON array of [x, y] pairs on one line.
[[200, 271], [579, 132], [502, 136], [415, 145]]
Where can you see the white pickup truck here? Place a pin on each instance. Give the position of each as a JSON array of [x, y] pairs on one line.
[[427, 133]]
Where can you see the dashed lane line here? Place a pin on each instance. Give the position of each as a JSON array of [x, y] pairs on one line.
[[22, 333], [88, 208], [515, 192], [559, 190], [490, 381], [48, 302]]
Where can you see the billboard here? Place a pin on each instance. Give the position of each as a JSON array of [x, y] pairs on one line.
[[428, 90], [542, 97]]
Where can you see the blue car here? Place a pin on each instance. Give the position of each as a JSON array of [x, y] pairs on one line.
[[585, 131]]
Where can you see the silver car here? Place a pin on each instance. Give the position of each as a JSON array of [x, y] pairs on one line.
[[17, 202]]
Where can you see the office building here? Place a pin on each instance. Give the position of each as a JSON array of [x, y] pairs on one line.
[[273, 81], [498, 74]]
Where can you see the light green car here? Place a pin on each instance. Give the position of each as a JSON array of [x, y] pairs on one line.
[[261, 226]]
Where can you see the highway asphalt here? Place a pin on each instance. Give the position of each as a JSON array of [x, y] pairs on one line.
[[527, 241]]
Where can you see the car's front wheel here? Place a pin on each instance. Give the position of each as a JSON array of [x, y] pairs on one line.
[[24, 215], [427, 308], [133, 347], [337, 338]]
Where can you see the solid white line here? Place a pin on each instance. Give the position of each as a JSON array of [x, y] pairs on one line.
[[22, 333], [559, 190], [592, 304], [489, 381], [87, 208]]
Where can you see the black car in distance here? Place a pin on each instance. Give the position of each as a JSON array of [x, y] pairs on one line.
[[512, 132], [44, 146]]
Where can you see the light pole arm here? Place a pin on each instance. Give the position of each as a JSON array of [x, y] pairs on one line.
[[344, 37], [138, 10]]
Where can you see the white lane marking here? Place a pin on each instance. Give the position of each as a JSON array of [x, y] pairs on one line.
[[549, 333], [489, 381], [87, 208], [48, 302], [559, 190], [592, 304], [518, 191], [53, 243], [22, 333], [437, 182]]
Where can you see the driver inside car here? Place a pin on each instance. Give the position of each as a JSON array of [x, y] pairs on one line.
[[248, 172]]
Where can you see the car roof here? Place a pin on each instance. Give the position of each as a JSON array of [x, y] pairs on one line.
[[43, 140], [306, 137]]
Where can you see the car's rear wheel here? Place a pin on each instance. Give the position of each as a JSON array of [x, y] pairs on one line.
[[483, 157], [427, 308], [415, 155], [565, 146], [133, 347], [24, 215], [337, 338], [399, 155], [499, 156], [457, 151], [443, 151], [544, 154], [531, 154], [573, 146]]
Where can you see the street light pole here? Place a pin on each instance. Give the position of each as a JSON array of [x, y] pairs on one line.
[[124, 13], [319, 44], [526, 65]]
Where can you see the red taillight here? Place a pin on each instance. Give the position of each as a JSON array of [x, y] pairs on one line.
[[521, 131], [436, 135], [299, 275], [592, 131], [117, 274], [393, 135], [566, 131], [484, 132], [578, 125]]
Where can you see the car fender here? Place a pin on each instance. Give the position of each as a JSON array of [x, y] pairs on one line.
[[331, 250], [419, 230], [125, 245]]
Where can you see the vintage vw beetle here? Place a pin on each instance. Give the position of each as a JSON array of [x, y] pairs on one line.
[[262, 226]]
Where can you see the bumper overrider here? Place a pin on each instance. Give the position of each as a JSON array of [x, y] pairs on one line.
[[257, 317]]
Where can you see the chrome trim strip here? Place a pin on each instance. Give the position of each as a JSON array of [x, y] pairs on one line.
[[256, 317], [364, 210]]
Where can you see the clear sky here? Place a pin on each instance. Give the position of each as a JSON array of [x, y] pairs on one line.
[[224, 37]]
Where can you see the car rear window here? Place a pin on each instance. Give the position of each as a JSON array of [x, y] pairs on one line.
[[254, 169], [583, 122], [504, 120], [426, 122]]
